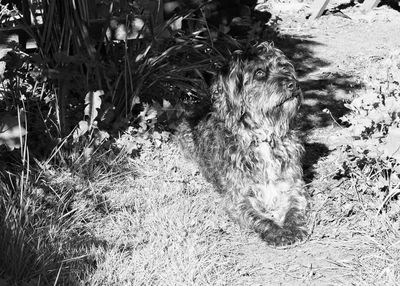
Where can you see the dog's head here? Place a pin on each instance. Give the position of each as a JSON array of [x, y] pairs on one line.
[[259, 89]]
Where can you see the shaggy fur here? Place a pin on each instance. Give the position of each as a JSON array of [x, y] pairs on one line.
[[246, 146]]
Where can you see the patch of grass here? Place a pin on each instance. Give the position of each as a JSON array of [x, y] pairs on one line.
[[162, 225], [45, 218], [360, 203], [53, 206], [167, 227], [74, 214]]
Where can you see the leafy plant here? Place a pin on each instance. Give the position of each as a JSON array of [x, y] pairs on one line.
[[374, 126], [70, 101], [12, 129], [88, 128]]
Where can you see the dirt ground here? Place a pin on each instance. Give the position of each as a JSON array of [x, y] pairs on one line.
[[163, 224], [331, 55]]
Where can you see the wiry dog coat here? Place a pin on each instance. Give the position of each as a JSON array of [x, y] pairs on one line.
[[246, 146]]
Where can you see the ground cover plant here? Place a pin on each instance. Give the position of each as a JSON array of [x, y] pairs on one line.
[[63, 108], [374, 155], [94, 191], [370, 167]]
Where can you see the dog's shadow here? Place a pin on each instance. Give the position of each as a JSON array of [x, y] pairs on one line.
[[313, 153], [324, 96]]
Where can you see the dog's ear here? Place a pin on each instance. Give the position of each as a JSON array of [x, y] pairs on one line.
[[232, 105], [234, 79], [230, 79]]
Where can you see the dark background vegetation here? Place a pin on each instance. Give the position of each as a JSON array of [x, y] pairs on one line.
[[85, 85], [75, 75]]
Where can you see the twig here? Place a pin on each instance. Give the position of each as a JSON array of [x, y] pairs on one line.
[[394, 191], [326, 110]]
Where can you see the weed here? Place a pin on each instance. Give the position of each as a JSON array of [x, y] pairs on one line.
[[374, 155], [64, 107]]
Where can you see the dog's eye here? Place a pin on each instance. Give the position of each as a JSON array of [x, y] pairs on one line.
[[259, 74], [291, 85]]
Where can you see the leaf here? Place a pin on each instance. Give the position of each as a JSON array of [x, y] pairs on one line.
[[80, 130], [167, 111], [148, 112], [359, 124], [135, 100], [166, 104], [157, 143], [143, 54], [157, 135], [87, 152], [392, 104], [176, 24], [397, 169], [165, 135], [11, 130], [100, 137], [137, 27], [108, 113], [2, 69], [349, 106], [92, 102], [4, 51], [377, 116], [130, 147], [391, 147]]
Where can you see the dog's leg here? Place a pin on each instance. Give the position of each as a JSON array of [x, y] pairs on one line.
[[278, 225]]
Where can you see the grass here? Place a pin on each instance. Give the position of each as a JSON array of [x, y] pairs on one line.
[[107, 219], [45, 218], [153, 220], [167, 228], [59, 221], [361, 244], [162, 224], [140, 229]]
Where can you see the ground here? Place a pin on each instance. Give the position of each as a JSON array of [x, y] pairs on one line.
[[166, 227]]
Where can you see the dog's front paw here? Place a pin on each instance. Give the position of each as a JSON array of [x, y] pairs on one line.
[[285, 235]]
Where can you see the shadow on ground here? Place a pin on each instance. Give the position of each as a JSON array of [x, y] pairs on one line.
[[324, 92]]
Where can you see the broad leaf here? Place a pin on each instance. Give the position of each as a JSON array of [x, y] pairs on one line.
[[391, 147], [11, 130], [92, 102], [100, 137], [2, 69], [80, 130]]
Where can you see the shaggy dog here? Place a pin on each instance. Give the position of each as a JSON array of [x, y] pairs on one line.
[[246, 146]]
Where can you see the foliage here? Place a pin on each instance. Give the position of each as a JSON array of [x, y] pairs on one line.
[[88, 96], [157, 64], [7, 13], [12, 129], [374, 125], [46, 210]]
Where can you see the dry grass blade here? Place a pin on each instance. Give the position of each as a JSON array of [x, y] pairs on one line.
[[394, 191]]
